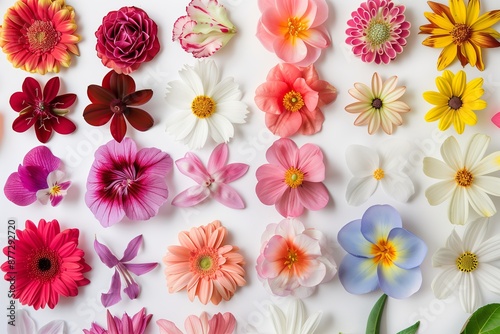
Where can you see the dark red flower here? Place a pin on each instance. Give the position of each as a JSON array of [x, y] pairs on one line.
[[45, 110], [117, 99]]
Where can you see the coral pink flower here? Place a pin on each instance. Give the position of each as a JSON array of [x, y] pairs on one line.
[[293, 29], [218, 324], [136, 324], [294, 260], [293, 178], [291, 98], [204, 265], [47, 263]]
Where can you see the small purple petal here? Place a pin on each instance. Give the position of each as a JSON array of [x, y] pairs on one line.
[[65, 185], [140, 268], [55, 199], [411, 250], [42, 156], [16, 193], [132, 249], [228, 196], [378, 221], [218, 158], [358, 275], [231, 172], [351, 239], [113, 296], [132, 290], [191, 196], [105, 254], [33, 178], [192, 166]]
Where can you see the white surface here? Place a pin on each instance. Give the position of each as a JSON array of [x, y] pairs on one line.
[[248, 62]]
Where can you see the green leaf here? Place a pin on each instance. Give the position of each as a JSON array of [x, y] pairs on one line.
[[486, 320], [411, 330], [373, 325]]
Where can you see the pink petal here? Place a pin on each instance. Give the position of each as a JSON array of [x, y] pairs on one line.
[[16, 193], [179, 25], [310, 96], [275, 249], [321, 13], [140, 268], [312, 55], [231, 172], [105, 255], [290, 52], [191, 196], [293, 8], [218, 158], [55, 199], [272, 21], [132, 249], [132, 290], [313, 196], [222, 324], [270, 190], [113, 295], [192, 166], [496, 119], [311, 163], [193, 325], [145, 198], [154, 162], [228, 196], [317, 38], [283, 152], [167, 327], [289, 205], [108, 212], [264, 36], [43, 157], [284, 125], [311, 122], [286, 73], [269, 96], [114, 152], [314, 275], [204, 45]]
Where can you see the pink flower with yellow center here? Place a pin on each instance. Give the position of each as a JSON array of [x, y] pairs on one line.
[[293, 29]]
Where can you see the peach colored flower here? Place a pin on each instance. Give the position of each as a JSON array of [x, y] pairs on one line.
[[204, 265], [293, 29]]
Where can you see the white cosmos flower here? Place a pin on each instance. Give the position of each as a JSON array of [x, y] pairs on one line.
[[208, 106], [468, 264], [295, 321], [369, 168], [464, 178]]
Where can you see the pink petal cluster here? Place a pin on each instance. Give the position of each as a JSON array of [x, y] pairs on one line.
[[293, 29], [293, 178], [218, 324], [292, 97], [205, 29], [293, 260], [136, 324]]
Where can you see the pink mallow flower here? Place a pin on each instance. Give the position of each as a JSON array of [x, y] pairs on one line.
[[293, 29], [218, 324], [294, 260], [205, 29], [293, 178], [124, 181], [291, 98], [212, 181]]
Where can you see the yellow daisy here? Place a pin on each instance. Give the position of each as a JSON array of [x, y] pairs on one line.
[[456, 101], [461, 32]]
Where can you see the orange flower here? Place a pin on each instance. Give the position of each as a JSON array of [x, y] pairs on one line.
[[39, 35], [204, 265]]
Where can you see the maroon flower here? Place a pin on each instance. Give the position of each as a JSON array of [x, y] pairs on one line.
[[45, 110], [126, 39], [116, 99]]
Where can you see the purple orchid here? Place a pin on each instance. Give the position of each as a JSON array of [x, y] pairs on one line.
[[212, 181], [37, 178], [122, 268], [126, 325]]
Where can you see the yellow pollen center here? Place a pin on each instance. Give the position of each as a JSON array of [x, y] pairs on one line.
[[295, 26], [467, 262], [384, 252], [461, 33], [378, 32], [42, 37], [293, 101], [204, 262], [294, 177], [292, 258], [55, 190], [203, 106], [378, 174], [464, 178]]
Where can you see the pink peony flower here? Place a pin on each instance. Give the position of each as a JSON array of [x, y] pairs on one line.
[[293, 178], [205, 29], [293, 29], [291, 98], [126, 39], [294, 260], [218, 324]]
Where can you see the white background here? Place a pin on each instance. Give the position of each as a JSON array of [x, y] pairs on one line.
[[248, 62]]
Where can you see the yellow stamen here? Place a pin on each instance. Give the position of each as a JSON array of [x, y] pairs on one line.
[[461, 33], [293, 101], [42, 37], [294, 177], [292, 258], [384, 251], [378, 174], [55, 190], [467, 262], [464, 178], [203, 106], [295, 26]]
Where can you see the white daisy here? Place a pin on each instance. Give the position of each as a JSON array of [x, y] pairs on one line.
[[207, 105], [295, 321], [468, 264], [371, 168], [464, 178]]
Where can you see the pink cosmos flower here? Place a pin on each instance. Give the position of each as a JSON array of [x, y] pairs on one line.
[[293, 29], [205, 29], [293, 178], [126, 182], [218, 324], [136, 324], [294, 260], [212, 181], [291, 98]]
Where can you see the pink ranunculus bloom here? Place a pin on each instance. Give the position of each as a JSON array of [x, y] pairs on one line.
[[218, 324], [293, 29], [205, 29], [124, 181], [126, 39], [291, 98], [292, 180]]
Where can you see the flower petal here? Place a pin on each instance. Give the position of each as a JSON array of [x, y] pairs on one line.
[[191, 196], [399, 283], [488, 276], [132, 249], [351, 239], [132, 290], [451, 153], [358, 275], [15, 191], [313, 195], [446, 282], [283, 152], [378, 221], [360, 189], [167, 327], [24, 322], [140, 268], [437, 169], [53, 327], [139, 119], [97, 114], [218, 158], [361, 160], [481, 202], [113, 295], [469, 295], [192, 166], [289, 204], [458, 211], [410, 249], [400, 187], [228, 196], [476, 149], [105, 254], [439, 192], [231, 172]]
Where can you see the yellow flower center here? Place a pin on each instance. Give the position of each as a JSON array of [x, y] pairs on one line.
[[55, 190], [292, 258], [295, 26], [464, 178], [203, 106], [294, 177], [455, 103], [42, 37], [384, 252], [461, 33], [204, 262], [378, 174], [378, 32], [467, 262], [293, 101]]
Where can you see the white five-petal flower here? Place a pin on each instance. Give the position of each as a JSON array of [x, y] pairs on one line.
[[464, 178], [468, 263], [295, 321]]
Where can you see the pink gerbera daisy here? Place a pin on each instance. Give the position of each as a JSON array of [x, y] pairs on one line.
[[47, 264], [377, 31], [204, 265]]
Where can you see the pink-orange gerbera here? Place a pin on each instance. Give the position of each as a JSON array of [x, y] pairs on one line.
[[204, 265], [39, 35]]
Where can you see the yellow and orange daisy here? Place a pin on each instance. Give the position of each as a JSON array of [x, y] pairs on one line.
[[39, 35], [461, 32]]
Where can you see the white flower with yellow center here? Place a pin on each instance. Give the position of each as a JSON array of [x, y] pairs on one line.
[[464, 178], [371, 168], [468, 263], [208, 106]]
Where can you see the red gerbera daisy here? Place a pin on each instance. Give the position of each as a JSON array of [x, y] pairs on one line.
[[39, 35], [46, 263]]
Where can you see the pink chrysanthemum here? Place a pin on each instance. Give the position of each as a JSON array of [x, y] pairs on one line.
[[204, 265], [47, 264], [136, 324], [377, 31]]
